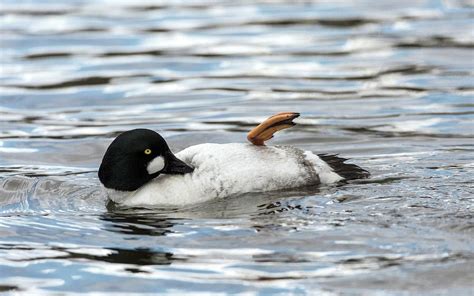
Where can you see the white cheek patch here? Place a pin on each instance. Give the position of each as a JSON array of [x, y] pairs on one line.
[[156, 165]]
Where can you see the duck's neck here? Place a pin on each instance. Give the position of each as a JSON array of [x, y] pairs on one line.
[[117, 196]]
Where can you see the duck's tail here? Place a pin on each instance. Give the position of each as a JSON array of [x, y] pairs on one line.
[[348, 171], [265, 130]]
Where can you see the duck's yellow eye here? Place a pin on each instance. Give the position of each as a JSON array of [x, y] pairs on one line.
[[147, 151]]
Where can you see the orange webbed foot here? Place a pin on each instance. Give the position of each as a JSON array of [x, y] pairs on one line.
[[265, 130]]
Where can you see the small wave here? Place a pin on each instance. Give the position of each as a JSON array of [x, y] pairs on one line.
[[434, 42], [86, 81]]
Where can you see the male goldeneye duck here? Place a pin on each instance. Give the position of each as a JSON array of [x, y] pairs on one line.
[[139, 169]]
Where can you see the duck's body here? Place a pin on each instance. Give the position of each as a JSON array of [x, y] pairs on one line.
[[222, 170], [139, 169]]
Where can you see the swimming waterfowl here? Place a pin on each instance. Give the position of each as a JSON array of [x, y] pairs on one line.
[[139, 169]]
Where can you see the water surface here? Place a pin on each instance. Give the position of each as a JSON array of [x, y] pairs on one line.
[[388, 84]]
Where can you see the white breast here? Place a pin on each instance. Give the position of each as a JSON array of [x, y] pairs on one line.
[[223, 170]]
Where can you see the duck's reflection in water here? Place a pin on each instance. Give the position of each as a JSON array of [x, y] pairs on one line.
[[139, 222]]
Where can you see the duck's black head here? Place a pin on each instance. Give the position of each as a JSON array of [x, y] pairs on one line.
[[135, 157]]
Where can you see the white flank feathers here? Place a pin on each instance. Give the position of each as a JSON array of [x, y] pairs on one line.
[[223, 170]]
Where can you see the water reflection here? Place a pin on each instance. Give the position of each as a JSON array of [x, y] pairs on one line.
[[141, 256], [6, 288], [138, 256], [138, 222]]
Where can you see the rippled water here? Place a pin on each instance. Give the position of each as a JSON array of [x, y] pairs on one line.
[[387, 83]]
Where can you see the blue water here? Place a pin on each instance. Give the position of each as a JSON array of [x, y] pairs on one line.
[[388, 84]]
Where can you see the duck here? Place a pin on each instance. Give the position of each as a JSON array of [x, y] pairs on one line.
[[139, 169]]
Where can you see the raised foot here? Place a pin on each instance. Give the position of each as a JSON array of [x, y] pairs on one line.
[[265, 130]]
